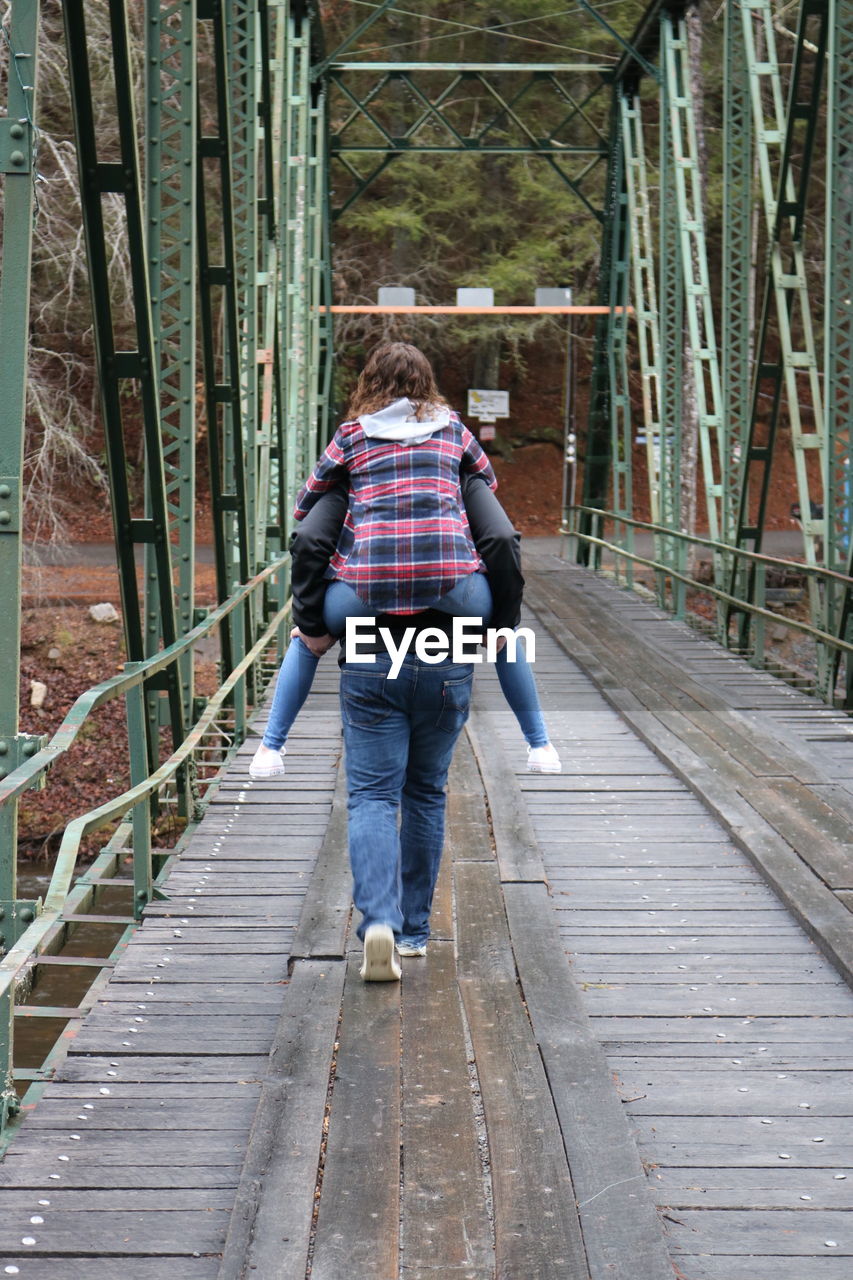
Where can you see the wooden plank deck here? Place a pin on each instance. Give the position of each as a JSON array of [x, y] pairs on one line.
[[622, 1056]]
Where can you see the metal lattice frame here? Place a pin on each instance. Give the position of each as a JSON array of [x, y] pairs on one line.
[[647, 319], [671, 293], [507, 125], [786, 325], [171, 95], [118, 371], [305, 331], [621, 426], [694, 264], [223, 375], [738, 272], [244, 91], [18, 168], [838, 329], [599, 444]]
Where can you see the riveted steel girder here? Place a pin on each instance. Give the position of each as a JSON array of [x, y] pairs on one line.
[[738, 267], [171, 95], [19, 172], [694, 264], [786, 370], [672, 304], [838, 328], [644, 287], [305, 254], [129, 381], [368, 122]]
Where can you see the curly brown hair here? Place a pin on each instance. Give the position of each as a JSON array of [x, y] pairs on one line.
[[394, 370]]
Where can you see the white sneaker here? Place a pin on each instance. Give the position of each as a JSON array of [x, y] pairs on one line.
[[405, 948], [380, 963], [266, 763], [544, 759]]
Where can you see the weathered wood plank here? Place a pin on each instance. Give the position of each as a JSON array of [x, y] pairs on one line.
[[131, 977], [116, 1233], [62, 1115], [727, 1267], [528, 1160], [519, 857], [778, 1233], [89, 1268], [621, 1232], [763, 1001], [270, 1226], [193, 999], [358, 1223], [111, 1149], [118, 1199], [738, 1091], [444, 1213], [99, 1069], [673, 1030], [35, 1173], [225, 1035], [324, 921], [750, 1188]]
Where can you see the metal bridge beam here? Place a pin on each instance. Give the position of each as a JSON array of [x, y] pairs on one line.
[[786, 366], [19, 175], [171, 94], [694, 265], [838, 328], [644, 285], [738, 266], [119, 372]]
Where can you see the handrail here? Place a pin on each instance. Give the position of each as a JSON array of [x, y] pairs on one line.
[[20, 953], [723, 547], [22, 778], [762, 562]]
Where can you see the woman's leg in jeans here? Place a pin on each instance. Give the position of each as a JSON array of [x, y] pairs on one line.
[[295, 678], [312, 545], [472, 597], [297, 670]]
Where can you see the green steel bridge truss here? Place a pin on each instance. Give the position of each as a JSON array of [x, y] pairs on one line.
[[230, 174]]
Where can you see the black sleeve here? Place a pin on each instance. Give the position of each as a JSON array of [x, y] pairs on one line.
[[312, 545], [499, 544]]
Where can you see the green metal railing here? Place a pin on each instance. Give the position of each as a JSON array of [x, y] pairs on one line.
[[673, 581], [34, 929]]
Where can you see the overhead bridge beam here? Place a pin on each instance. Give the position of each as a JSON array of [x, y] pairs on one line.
[[474, 311]]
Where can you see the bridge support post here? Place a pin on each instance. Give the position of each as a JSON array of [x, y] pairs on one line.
[[785, 363], [171, 97], [18, 133], [838, 333], [694, 264]]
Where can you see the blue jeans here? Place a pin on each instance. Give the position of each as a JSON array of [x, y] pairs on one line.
[[399, 737], [470, 597]]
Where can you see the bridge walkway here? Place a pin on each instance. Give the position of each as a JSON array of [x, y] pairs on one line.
[[623, 1055]]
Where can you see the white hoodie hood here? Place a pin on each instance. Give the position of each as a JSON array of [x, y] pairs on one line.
[[397, 421]]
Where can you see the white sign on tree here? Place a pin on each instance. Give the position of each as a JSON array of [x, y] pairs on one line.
[[488, 405]]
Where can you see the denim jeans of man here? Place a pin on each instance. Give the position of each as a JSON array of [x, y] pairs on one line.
[[399, 737]]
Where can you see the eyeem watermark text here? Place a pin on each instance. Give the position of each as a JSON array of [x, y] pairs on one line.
[[432, 645]]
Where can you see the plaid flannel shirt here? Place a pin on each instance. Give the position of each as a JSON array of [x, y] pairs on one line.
[[405, 541]]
